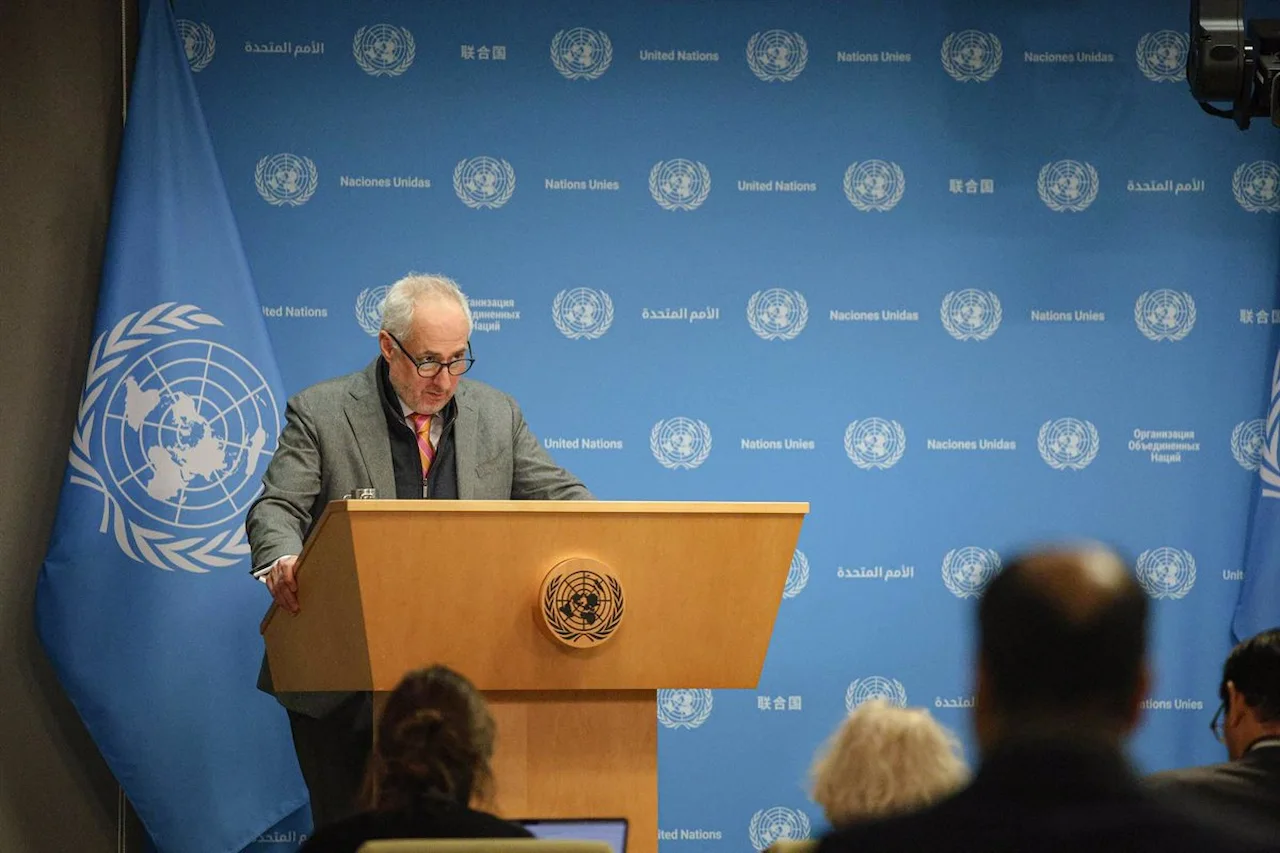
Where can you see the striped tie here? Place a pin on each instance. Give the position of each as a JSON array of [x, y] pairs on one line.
[[426, 453]]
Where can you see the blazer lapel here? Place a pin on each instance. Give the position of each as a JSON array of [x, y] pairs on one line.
[[369, 426], [465, 432]]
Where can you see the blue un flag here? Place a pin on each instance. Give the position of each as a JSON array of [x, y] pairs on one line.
[[144, 602], [1258, 608]]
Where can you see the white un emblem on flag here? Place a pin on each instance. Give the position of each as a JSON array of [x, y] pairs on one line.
[[777, 314], [679, 184], [1067, 186], [1162, 56], [967, 571], [582, 312], [581, 54], [198, 43], [875, 687], [369, 308], [971, 315], [777, 824], [777, 56], [1068, 443], [1255, 186], [972, 56], [680, 442], [286, 179], [684, 708], [875, 443], [383, 50], [1165, 315], [484, 182], [1248, 440], [874, 185], [1166, 572]]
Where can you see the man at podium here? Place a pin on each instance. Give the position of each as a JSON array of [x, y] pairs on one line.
[[406, 426]]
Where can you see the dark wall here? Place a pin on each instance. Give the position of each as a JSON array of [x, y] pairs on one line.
[[60, 120]]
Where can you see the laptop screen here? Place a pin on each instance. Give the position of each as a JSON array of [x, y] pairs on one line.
[[612, 831]]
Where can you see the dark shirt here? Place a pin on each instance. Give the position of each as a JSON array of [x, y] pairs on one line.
[[406, 464], [432, 820], [1245, 790], [1046, 797]]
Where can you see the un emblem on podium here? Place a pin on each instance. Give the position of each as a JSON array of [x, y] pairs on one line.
[[581, 602]]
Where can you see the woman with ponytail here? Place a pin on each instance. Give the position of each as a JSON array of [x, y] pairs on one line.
[[431, 761]]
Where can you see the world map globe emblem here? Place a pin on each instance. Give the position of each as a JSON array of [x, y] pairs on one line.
[[1164, 314], [581, 53], [1166, 572], [1068, 443], [484, 182], [679, 184], [1248, 440], [862, 690], [1067, 186], [797, 575], [383, 50], [582, 312], [777, 56], [680, 442], [187, 431], [286, 179], [369, 308], [971, 56], [874, 185], [684, 708], [971, 315], [777, 314], [582, 603], [875, 443], [1162, 56], [967, 571], [779, 823], [198, 43], [1256, 186]]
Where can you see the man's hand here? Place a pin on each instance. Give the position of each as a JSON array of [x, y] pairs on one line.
[[283, 585]]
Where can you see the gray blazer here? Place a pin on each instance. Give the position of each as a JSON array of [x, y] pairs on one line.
[[335, 440]]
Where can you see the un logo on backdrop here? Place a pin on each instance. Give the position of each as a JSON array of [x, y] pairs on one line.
[[369, 308], [684, 708], [1248, 441], [971, 315], [1165, 315], [286, 179], [1166, 572], [874, 185], [197, 43], [582, 312], [875, 443], [680, 442], [797, 575], [484, 182], [185, 427], [1162, 56], [679, 184], [581, 54], [777, 314], [777, 56], [875, 687], [967, 571], [1068, 443], [383, 50], [777, 824], [1067, 185], [1255, 186], [972, 56]]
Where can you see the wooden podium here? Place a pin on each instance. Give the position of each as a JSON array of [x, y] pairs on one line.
[[387, 586]]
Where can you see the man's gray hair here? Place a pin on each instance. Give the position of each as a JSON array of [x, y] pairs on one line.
[[405, 294]]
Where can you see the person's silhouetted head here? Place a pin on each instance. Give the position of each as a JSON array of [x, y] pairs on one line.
[[1250, 693]]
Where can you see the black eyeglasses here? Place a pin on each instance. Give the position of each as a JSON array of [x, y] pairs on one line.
[[1217, 724], [429, 367]]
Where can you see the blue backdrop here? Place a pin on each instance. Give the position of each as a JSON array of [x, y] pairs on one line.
[[965, 276]]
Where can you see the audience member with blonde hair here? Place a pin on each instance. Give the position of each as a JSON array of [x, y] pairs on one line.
[[885, 760], [435, 740]]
